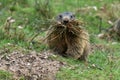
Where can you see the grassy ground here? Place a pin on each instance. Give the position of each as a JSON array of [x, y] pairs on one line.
[[32, 19]]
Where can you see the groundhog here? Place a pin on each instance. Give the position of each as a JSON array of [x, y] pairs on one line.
[[112, 33], [68, 38]]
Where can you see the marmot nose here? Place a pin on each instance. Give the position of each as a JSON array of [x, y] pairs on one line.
[[65, 21]]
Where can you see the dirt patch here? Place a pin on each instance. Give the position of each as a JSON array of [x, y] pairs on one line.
[[32, 66]]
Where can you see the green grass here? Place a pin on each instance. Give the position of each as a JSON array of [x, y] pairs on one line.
[[101, 66], [33, 19], [5, 75]]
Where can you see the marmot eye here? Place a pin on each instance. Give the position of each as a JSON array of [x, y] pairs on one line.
[[60, 16], [71, 16]]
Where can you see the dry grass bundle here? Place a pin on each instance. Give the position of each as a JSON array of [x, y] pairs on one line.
[[69, 40]]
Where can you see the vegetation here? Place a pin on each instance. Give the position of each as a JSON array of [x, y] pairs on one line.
[[4, 75], [23, 24]]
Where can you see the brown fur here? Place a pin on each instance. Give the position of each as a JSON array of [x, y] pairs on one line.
[[69, 40]]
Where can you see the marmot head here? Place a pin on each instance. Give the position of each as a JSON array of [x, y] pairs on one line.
[[65, 17]]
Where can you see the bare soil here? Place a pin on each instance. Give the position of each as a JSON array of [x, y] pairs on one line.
[[31, 66]]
